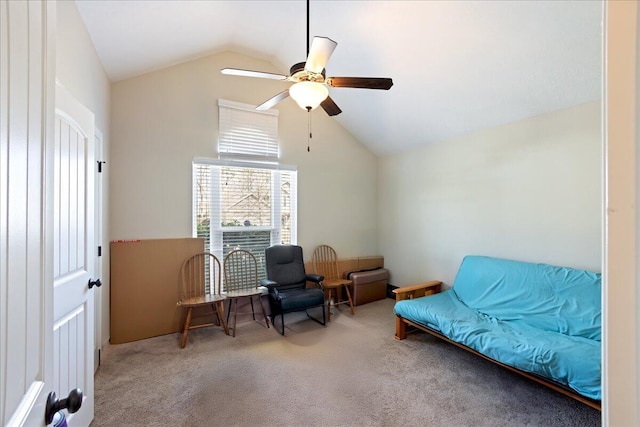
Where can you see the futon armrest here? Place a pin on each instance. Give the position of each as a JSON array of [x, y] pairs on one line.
[[419, 290], [316, 278]]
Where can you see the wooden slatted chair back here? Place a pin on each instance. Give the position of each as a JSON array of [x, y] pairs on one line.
[[200, 275], [325, 262], [240, 271]]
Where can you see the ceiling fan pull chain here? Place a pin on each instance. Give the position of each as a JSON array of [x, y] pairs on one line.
[[309, 128]]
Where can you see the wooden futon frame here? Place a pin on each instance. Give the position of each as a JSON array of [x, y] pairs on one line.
[[404, 325]]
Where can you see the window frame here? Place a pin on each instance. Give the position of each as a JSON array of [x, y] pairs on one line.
[[216, 232]]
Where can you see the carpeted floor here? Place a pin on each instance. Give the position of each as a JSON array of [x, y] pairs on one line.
[[350, 373]]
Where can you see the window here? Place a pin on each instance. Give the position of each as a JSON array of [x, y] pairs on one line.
[[243, 207], [247, 134], [244, 200]]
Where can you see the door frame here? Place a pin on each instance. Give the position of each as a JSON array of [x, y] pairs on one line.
[[621, 221], [98, 242]]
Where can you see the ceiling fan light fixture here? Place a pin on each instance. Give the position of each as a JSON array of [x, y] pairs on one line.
[[308, 95]]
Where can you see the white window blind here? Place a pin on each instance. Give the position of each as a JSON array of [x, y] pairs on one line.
[[244, 206], [247, 134]]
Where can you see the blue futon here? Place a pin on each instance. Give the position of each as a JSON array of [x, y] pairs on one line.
[[541, 320]]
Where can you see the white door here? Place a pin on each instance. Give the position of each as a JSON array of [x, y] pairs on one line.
[[27, 34], [74, 253], [46, 225]]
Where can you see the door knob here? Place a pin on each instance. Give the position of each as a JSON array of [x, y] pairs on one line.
[[93, 283], [72, 403]]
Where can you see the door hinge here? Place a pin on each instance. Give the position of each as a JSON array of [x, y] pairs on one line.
[[99, 250], [100, 166]]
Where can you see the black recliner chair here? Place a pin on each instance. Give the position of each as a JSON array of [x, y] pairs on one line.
[[287, 280]]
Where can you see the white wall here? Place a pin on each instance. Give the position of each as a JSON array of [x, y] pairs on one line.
[[78, 67], [162, 119], [80, 71], [529, 190]]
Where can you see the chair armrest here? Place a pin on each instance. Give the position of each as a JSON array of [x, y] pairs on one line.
[[419, 290], [316, 278], [268, 283], [271, 285]]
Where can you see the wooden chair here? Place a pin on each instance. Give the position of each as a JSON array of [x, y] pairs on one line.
[[196, 273], [325, 263], [241, 282]]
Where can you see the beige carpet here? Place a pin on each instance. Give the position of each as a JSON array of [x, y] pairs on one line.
[[350, 373]]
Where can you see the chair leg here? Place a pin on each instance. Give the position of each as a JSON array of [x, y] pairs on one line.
[[273, 318], [235, 316], [329, 305], [264, 313], [185, 330], [346, 288], [220, 313], [214, 311], [324, 318], [253, 311]]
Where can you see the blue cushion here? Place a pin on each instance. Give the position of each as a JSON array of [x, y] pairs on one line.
[[572, 361], [555, 299]]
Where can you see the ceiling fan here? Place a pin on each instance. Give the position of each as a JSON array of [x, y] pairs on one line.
[[310, 82]]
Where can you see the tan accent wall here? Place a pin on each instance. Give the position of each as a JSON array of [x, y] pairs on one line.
[[145, 286]]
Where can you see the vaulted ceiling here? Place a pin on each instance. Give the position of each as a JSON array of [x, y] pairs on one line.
[[457, 66]]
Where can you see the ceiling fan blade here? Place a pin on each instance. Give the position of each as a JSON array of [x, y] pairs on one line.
[[360, 82], [321, 50], [273, 101], [330, 107], [250, 73]]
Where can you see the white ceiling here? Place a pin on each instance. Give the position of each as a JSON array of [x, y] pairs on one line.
[[457, 66]]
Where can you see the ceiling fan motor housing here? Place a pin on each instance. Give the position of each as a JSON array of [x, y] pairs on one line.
[[299, 74]]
